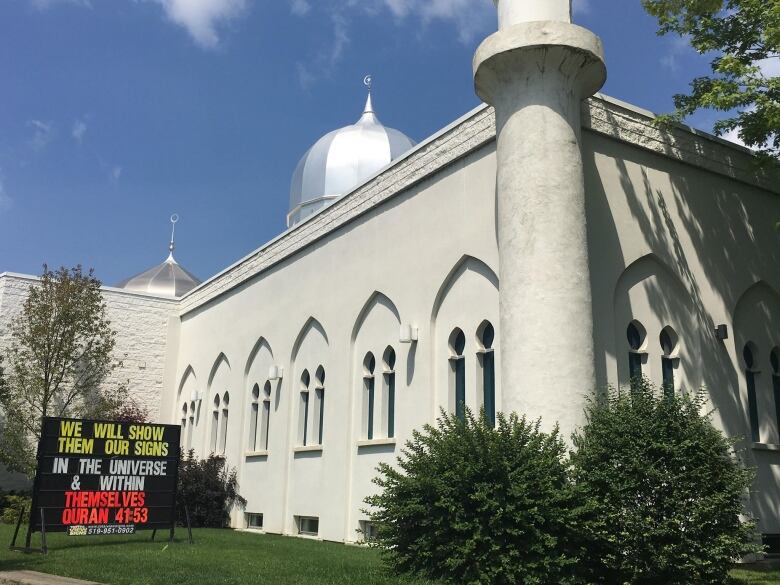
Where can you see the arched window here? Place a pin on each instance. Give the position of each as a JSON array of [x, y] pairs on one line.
[[487, 358], [191, 425], [668, 340], [369, 365], [319, 391], [303, 419], [223, 428], [184, 418], [266, 421], [774, 360], [749, 355], [635, 334], [458, 371], [215, 424], [389, 386], [253, 418]]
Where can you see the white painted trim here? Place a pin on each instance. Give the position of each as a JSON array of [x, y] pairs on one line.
[[374, 442], [308, 449]]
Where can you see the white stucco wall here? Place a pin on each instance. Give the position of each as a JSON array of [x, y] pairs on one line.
[[142, 325], [677, 230]]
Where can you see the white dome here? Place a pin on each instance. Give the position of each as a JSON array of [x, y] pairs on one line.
[[341, 160]]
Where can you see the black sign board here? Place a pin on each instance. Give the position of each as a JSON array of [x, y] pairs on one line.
[[105, 477]]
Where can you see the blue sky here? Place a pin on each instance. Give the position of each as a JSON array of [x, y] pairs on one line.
[[114, 114]]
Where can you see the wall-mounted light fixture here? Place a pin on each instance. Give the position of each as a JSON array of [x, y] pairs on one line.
[[722, 332], [408, 333], [275, 373], [196, 396]]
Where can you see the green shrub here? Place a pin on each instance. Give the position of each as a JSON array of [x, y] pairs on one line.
[[667, 489], [11, 506], [209, 489], [471, 504]]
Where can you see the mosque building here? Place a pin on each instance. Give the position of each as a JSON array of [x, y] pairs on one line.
[[547, 243]]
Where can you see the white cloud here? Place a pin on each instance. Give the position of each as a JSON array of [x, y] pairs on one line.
[[770, 67], [42, 134], [115, 174], [78, 131], [470, 17], [300, 7], [733, 136], [677, 47], [325, 61], [202, 18]]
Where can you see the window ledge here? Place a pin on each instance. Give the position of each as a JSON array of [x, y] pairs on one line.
[[249, 454], [251, 530], [308, 449], [373, 442], [765, 446]]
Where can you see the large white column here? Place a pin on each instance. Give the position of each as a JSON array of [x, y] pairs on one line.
[[535, 71]]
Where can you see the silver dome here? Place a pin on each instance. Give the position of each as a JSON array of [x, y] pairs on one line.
[[167, 279], [339, 161]]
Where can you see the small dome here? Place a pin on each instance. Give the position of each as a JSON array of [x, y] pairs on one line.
[[341, 160], [166, 279]]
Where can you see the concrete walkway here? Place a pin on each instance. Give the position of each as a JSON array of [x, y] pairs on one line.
[[35, 578]]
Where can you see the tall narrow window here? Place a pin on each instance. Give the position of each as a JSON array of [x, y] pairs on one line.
[[224, 424], [253, 418], [668, 339], [215, 424], [184, 418], [774, 360], [636, 336], [458, 371], [748, 355], [369, 365], [320, 396], [487, 336], [190, 427], [389, 394], [304, 415], [266, 420]]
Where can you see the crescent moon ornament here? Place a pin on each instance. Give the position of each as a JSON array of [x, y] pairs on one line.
[[174, 218], [367, 81]]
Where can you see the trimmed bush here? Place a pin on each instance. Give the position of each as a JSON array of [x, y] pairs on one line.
[[666, 487], [470, 504], [209, 489], [11, 505]]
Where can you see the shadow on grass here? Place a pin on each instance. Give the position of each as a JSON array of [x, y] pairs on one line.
[[60, 541]]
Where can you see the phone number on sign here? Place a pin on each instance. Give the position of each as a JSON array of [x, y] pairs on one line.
[[101, 529]]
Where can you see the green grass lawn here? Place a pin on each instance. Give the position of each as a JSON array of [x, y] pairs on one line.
[[223, 557]]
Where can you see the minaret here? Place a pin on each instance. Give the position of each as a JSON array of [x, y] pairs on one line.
[[536, 71]]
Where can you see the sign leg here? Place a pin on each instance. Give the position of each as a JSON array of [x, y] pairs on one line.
[[18, 524], [189, 526], [44, 549]]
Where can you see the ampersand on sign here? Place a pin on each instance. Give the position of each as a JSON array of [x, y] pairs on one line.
[[75, 484]]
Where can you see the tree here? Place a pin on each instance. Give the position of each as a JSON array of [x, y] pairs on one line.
[[208, 488], [744, 35], [666, 490], [471, 504], [59, 356]]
